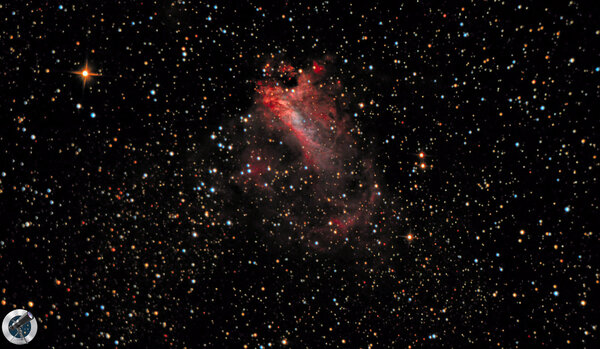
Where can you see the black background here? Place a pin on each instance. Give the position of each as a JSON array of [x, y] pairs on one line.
[[469, 277]]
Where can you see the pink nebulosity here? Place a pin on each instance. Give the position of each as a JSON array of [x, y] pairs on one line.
[[304, 161], [308, 113]]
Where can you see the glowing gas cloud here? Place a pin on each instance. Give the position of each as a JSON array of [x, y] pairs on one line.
[[303, 163]]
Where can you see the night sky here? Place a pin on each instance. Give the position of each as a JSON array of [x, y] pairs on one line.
[[301, 174]]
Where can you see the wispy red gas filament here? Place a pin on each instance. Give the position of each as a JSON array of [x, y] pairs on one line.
[[318, 182]]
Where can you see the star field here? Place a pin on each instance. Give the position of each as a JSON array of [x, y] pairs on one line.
[[301, 174]]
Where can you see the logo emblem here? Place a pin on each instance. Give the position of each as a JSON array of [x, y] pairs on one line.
[[19, 327]]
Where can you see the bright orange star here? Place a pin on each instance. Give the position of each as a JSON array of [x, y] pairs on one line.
[[85, 74]]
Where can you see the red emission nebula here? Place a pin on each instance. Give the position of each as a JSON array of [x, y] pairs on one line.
[[302, 165]]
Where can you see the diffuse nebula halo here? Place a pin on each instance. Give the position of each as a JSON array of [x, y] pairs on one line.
[[302, 165]]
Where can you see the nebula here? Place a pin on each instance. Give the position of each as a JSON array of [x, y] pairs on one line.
[[302, 163]]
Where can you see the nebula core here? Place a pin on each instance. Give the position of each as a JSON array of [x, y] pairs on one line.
[[303, 165]]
